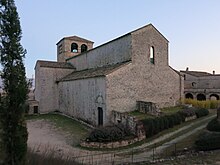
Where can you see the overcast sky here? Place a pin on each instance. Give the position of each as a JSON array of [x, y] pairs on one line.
[[191, 26]]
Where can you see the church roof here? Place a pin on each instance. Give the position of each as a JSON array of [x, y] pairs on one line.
[[197, 73], [76, 38], [53, 64], [93, 72]]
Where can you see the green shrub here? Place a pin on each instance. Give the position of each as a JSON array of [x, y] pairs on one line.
[[188, 112], [109, 134], [201, 112], [148, 126], [208, 141], [166, 122], [171, 121], [156, 125], [214, 125]]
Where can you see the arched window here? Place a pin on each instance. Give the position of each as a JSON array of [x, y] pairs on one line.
[[152, 60], [189, 96], [74, 48], [83, 48], [193, 84], [201, 97], [214, 97]]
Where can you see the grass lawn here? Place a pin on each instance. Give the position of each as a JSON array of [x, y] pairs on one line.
[[140, 115], [170, 110]]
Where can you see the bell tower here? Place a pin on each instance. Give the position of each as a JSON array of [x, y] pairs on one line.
[[72, 46]]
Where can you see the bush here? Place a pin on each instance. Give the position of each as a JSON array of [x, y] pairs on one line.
[[214, 125], [208, 141], [109, 134], [148, 126], [201, 112], [153, 126], [188, 112]]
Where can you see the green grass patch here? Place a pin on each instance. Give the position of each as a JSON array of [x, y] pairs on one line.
[[170, 110], [140, 115]]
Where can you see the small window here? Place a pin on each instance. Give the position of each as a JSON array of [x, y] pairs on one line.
[[184, 76], [152, 60], [74, 48], [193, 84], [83, 48], [60, 49]]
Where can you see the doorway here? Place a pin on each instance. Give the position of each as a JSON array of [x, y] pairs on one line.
[[35, 109], [100, 116]]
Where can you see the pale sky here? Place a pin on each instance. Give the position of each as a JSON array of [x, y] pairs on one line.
[[191, 26]]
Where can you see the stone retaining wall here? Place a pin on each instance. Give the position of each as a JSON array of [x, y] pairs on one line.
[[116, 144], [190, 118]]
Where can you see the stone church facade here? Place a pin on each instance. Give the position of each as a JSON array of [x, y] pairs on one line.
[[90, 83]]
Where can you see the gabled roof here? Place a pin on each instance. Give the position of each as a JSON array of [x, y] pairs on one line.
[[149, 25], [93, 72], [53, 64], [175, 70], [197, 73], [76, 38], [127, 34]]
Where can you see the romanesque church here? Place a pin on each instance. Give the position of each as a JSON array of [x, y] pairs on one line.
[[90, 83]]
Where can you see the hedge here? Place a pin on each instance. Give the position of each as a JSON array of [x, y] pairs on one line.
[[155, 125], [201, 112], [109, 134], [214, 125], [208, 141], [188, 112]]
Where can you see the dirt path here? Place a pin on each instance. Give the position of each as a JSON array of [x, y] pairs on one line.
[[147, 153], [45, 138]]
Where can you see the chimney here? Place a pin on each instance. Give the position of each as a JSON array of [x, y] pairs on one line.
[[187, 69], [213, 72]]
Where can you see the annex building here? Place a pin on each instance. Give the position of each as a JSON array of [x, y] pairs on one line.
[[90, 83], [201, 85]]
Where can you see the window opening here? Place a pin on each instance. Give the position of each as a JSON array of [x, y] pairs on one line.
[[83, 48], [152, 60], [100, 116], [74, 48]]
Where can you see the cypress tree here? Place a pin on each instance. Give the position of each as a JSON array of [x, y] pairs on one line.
[[12, 105]]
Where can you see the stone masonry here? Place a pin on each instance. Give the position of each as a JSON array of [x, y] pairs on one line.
[[90, 85]]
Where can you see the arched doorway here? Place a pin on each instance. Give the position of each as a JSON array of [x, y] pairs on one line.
[[201, 97], [100, 116], [189, 96], [214, 97]]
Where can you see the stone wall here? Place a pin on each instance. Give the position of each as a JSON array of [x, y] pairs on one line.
[[81, 99], [113, 52], [142, 80], [130, 122], [147, 107], [46, 87], [116, 144], [206, 85]]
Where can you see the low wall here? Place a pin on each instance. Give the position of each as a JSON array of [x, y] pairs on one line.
[[116, 144], [190, 118], [130, 122]]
